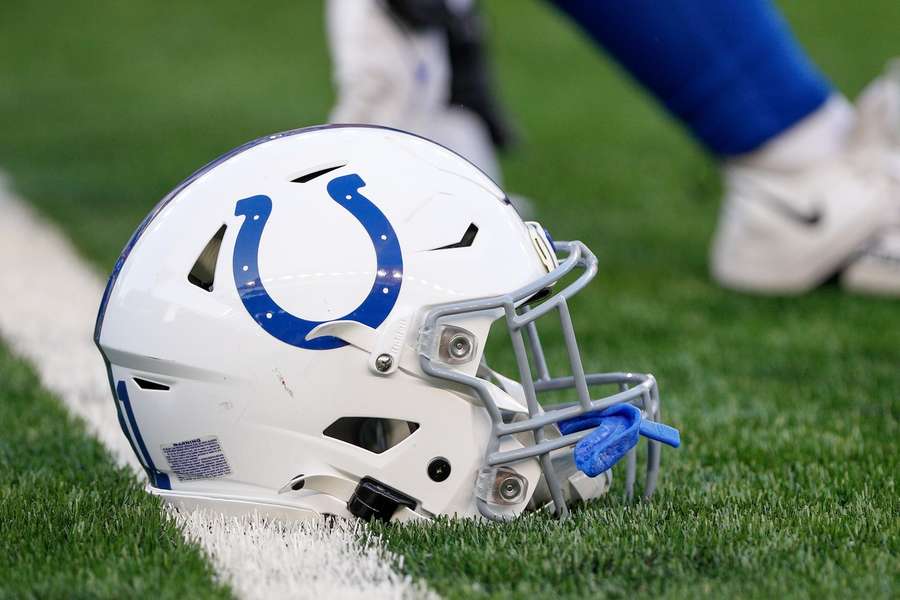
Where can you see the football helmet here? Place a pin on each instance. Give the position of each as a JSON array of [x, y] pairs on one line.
[[299, 328]]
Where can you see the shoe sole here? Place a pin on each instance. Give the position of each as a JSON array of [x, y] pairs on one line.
[[774, 277]]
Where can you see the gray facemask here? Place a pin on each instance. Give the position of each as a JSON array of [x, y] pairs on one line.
[[599, 438]]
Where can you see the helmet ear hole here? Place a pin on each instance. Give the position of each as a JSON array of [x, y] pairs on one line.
[[203, 273], [371, 433]]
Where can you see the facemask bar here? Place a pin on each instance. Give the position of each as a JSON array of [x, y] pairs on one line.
[[638, 389]]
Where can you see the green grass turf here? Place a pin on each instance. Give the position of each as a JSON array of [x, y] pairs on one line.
[[72, 525], [785, 484]]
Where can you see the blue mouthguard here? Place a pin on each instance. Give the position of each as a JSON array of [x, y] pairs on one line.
[[616, 432]]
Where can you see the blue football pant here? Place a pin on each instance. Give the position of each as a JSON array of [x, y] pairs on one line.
[[730, 70]]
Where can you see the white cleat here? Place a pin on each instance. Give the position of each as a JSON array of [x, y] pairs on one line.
[[786, 233], [876, 267]]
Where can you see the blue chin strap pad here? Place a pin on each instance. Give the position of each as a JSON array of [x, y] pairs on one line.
[[616, 431]]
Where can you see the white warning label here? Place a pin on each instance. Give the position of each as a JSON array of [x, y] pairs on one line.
[[200, 458]]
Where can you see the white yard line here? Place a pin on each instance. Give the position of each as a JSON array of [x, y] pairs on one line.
[[48, 305]]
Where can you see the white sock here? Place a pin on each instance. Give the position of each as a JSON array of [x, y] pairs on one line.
[[816, 137]]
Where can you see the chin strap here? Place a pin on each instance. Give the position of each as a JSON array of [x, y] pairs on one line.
[[616, 432], [366, 499]]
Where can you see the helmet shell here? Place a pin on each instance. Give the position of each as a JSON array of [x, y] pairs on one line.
[[258, 406]]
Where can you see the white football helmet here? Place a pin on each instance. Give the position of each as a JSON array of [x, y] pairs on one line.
[[299, 329]]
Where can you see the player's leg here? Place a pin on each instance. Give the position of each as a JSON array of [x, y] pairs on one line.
[[383, 73], [728, 69], [391, 69], [801, 199]]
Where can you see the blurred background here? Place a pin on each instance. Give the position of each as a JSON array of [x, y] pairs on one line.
[[106, 106]]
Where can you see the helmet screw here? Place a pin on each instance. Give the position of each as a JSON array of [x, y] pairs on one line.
[[439, 469], [460, 346], [510, 488], [383, 362]]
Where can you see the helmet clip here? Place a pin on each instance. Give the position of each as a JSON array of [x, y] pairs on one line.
[[375, 500]]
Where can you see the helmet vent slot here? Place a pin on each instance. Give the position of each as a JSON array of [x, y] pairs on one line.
[[371, 433], [318, 173], [146, 384], [203, 273], [467, 239]]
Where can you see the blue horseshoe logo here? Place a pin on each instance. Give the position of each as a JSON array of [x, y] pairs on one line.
[[291, 329]]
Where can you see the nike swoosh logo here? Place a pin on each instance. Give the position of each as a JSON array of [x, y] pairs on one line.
[[809, 218]]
